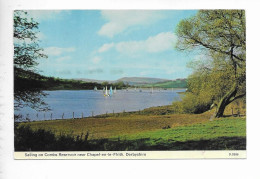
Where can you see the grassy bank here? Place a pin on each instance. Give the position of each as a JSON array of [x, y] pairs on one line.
[[217, 134], [178, 83], [135, 131], [118, 124]]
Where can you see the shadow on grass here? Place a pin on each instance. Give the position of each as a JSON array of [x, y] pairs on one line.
[[41, 140]]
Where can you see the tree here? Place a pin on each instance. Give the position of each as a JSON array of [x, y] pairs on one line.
[[221, 36], [27, 82]]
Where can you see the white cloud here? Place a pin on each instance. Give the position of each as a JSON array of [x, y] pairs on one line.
[[119, 21], [105, 47], [161, 42], [96, 60], [56, 51]]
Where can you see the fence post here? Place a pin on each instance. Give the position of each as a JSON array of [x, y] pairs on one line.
[[37, 116], [51, 116], [232, 111], [106, 114], [92, 113], [73, 115], [238, 112], [62, 116], [44, 116], [82, 115]]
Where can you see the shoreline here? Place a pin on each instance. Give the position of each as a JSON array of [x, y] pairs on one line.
[[131, 88], [105, 115]]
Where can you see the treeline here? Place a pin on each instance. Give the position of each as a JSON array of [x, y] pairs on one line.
[[30, 80], [51, 83]]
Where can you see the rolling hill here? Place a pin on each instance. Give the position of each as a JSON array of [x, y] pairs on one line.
[[129, 80], [178, 83], [141, 80], [144, 82]]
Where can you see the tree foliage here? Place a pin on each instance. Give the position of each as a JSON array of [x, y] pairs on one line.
[[219, 77], [27, 82]]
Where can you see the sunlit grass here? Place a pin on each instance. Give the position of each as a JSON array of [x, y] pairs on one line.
[[111, 126], [225, 127], [134, 131], [182, 126]]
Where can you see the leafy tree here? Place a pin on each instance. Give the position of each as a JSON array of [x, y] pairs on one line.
[[220, 76], [105, 83], [27, 82], [119, 84]]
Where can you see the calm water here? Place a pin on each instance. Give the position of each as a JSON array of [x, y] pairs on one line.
[[89, 101]]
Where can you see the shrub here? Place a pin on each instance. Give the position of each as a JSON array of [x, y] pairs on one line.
[[192, 104]]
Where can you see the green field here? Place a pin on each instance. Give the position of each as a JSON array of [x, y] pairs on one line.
[[216, 133], [134, 131], [169, 84]]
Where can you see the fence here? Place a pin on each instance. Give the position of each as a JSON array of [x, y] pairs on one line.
[[71, 115]]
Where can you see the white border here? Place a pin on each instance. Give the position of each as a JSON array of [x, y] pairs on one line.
[[212, 169], [133, 155]]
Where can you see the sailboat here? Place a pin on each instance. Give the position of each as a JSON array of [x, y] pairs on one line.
[[140, 90], [135, 88], [106, 93], [110, 91], [95, 89], [115, 90]]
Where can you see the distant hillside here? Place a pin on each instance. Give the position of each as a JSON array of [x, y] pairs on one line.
[[127, 80], [178, 83], [141, 80], [93, 81]]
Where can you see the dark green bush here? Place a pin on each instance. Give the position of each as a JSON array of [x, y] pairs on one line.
[[191, 104]]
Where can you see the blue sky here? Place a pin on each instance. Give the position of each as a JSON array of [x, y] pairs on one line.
[[108, 45]]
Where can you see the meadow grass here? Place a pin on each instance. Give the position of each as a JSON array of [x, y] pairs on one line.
[[224, 127], [117, 125], [221, 134], [150, 129]]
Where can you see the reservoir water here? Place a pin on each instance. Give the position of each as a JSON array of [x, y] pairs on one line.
[[88, 102]]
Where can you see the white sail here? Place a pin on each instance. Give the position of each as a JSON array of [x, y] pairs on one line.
[[115, 90], [110, 91]]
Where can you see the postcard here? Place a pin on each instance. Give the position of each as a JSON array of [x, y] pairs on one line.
[[129, 84]]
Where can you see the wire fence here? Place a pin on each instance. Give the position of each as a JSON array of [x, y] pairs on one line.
[[43, 116]]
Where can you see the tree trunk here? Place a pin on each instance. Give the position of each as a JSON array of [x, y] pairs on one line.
[[225, 101]]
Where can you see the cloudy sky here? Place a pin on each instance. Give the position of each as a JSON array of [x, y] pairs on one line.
[[108, 45]]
